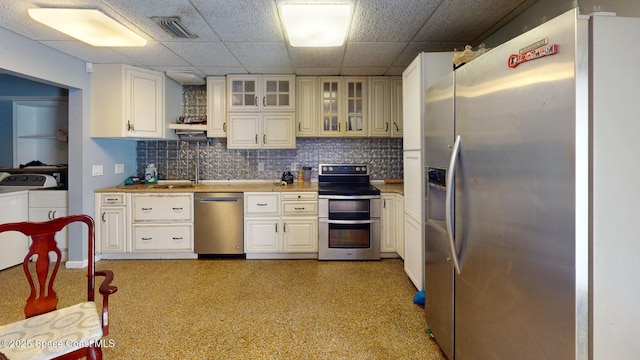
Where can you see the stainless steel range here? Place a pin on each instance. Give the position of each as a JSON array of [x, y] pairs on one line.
[[20, 182], [349, 213]]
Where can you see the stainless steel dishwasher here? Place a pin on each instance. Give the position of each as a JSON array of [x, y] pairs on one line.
[[219, 224]]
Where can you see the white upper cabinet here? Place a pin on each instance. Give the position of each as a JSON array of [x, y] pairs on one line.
[[306, 106], [380, 106], [343, 110], [261, 131], [261, 93], [216, 107], [131, 102], [396, 107]]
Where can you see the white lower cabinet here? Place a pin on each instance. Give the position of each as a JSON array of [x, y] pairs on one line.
[[281, 226], [392, 224], [111, 223], [145, 225], [45, 205]]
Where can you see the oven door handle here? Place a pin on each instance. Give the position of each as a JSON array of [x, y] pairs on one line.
[[348, 197], [349, 222]]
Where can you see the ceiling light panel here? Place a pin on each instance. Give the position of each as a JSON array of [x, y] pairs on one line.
[[88, 25], [316, 25]]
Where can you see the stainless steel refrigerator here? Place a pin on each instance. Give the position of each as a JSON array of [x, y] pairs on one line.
[[505, 254]]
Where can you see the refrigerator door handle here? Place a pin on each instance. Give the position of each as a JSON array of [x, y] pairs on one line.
[[451, 177]]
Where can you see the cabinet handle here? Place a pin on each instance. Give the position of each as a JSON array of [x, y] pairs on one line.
[[339, 127], [297, 208], [49, 215], [53, 214], [256, 101], [264, 101], [146, 239], [299, 126], [177, 209], [264, 138], [224, 127], [386, 127], [396, 125], [103, 217], [276, 227], [261, 204], [256, 138], [284, 226], [130, 126], [177, 238], [147, 209]]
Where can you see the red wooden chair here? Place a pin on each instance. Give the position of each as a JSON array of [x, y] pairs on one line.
[[48, 332]]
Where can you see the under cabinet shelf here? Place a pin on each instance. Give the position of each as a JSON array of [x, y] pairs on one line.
[[188, 127]]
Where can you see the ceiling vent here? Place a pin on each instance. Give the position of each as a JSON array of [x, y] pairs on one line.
[[173, 26]]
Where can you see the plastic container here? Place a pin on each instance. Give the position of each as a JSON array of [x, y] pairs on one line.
[[300, 176], [306, 173], [151, 174]]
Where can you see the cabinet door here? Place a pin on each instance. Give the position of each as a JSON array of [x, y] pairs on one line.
[[243, 93], [244, 131], [278, 93], [13, 208], [144, 94], [300, 234], [330, 90], [355, 100], [379, 106], [261, 235], [307, 106], [112, 229], [216, 107], [396, 108], [278, 131], [400, 225], [388, 223]]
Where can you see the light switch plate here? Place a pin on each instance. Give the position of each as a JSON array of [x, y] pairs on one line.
[[97, 170], [119, 168]]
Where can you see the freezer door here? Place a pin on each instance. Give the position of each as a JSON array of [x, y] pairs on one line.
[[438, 273], [515, 199]]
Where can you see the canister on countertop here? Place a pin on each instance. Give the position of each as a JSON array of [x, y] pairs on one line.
[[306, 173]]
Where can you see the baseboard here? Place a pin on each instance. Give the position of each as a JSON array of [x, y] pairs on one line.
[[81, 264]]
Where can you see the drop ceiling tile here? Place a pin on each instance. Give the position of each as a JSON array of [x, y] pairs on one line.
[[264, 54], [363, 70], [317, 71], [316, 57], [153, 54], [203, 53], [219, 71], [384, 20], [88, 53], [372, 54], [246, 20], [143, 11], [270, 70]]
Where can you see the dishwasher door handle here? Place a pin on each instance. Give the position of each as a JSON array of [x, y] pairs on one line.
[[219, 200]]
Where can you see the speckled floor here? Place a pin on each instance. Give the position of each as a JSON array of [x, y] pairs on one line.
[[251, 309]]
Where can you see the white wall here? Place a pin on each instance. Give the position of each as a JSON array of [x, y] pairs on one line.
[[28, 58]]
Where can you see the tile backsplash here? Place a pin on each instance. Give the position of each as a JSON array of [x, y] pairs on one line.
[[176, 160]]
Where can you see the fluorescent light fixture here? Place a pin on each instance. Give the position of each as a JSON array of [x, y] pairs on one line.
[[316, 25], [89, 25]]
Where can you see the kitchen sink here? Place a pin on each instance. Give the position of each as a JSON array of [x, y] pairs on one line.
[[172, 186]]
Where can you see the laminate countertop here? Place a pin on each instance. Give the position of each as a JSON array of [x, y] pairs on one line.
[[232, 186]]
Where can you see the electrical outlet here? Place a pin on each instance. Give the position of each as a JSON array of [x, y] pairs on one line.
[[260, 166], [294, 166], [119, 168], [97, 170]]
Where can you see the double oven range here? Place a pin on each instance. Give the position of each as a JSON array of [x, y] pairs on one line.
[[349, 213]]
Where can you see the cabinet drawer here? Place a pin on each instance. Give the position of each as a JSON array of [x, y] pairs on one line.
[[112, 199], [300, 196], [171, 208], [162, 238], [299, 208], [262, 203], [48, 198]]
